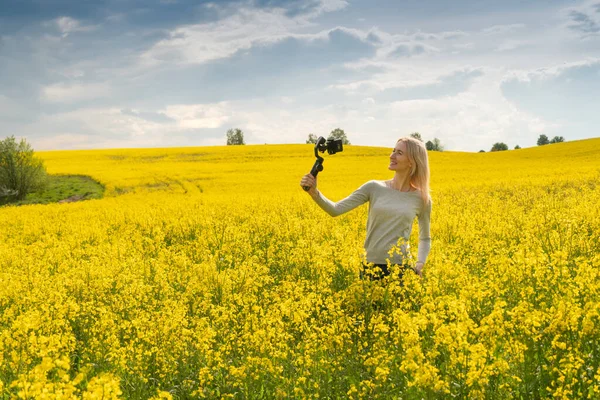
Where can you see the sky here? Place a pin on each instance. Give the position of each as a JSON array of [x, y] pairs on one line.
[[171, 73]]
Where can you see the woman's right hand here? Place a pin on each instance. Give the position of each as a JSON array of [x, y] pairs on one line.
[[311, 181]]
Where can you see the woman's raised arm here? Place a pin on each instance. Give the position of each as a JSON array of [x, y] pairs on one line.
[[358, 197]]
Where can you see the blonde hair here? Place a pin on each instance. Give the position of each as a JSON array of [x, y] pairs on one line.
[[419, 172]]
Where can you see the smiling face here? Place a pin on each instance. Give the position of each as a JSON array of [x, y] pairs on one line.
[[399, 159]]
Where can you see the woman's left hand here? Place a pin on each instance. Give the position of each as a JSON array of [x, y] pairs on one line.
[[419, 269]]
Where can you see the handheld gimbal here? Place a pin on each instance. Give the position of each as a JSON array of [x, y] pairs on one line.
[[332, 146]]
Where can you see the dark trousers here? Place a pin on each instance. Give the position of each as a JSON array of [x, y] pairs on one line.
[[375, 274]]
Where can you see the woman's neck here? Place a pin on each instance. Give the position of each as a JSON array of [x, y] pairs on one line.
[[401, 182]]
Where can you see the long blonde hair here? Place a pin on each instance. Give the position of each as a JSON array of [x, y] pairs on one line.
[[419, 172]]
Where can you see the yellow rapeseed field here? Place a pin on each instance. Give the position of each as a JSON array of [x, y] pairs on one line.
[[209, 273]]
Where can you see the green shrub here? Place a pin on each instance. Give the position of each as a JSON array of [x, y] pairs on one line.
[[20, 171]]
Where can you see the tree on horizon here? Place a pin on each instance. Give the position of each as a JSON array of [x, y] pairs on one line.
[[339, 134], [312, 138], [416, 135], [499, 146], [436, 145], [542, 140], [235, 137]]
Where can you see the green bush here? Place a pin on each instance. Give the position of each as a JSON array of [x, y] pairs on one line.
[[499, 146], [20, 171]]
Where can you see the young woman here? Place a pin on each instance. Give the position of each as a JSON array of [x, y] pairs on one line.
[[393, 206]]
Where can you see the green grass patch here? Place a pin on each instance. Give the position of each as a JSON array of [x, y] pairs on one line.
[[67, 188]]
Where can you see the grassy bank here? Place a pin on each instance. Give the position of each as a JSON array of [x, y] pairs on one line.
[[65, 188]]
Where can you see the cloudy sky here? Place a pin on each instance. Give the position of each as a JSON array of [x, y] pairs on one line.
[[162, 73]]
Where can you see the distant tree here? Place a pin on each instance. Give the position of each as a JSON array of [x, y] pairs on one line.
[[436, 145], [499, 147], [235, 137], [482, 151], [416, 135], [542, 140], [557, 139], [338, 134], [21, 172], [517, 147], [312, 138]]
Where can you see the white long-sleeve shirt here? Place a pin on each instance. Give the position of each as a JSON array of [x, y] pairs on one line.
[[391, 216]]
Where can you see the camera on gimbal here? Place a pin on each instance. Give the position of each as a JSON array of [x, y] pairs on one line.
[[332, 146]]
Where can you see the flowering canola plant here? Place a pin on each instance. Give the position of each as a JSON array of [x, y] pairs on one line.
[[209, 273]]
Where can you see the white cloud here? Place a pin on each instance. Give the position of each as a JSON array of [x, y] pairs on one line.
[[65, 141], [512, 44], [198, 116], [72, 92], [368, 101], [411, 49], [67, 25], [196, 44], [502, 29], [549, 72], [400, 76], [100, 123], [111, 127], [468, 121], [200, 43], [446, 35], [326, 6]]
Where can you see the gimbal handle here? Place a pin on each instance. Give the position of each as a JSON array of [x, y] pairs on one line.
[[317, 167]]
